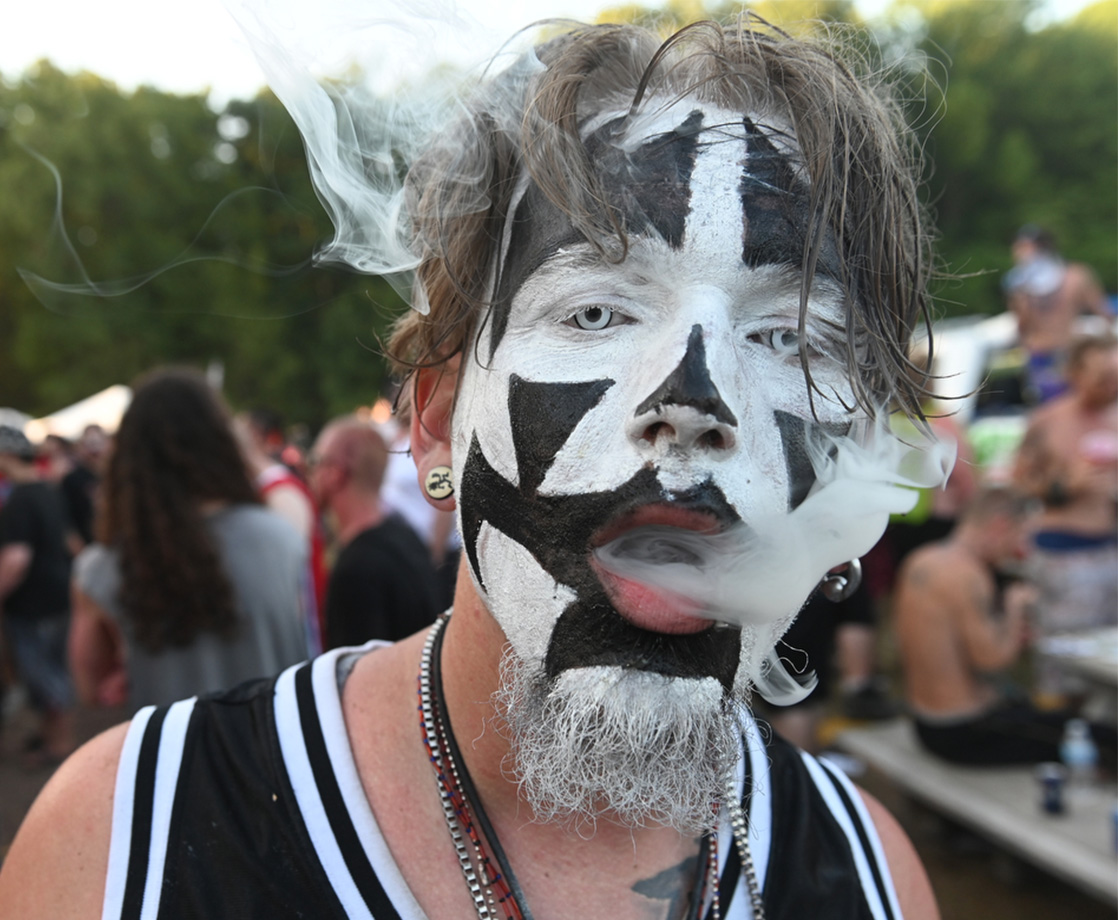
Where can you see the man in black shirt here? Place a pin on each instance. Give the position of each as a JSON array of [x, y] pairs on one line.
[[383, 583], [35, 595], [79, 485]]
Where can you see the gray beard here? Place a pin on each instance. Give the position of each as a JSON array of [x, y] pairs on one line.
[[631, 747]]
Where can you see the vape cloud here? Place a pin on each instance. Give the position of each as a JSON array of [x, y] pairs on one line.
[[760, 572]]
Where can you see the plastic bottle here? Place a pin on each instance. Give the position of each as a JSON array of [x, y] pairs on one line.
[[1079, 754]]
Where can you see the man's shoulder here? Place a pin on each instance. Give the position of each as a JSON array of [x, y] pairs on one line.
[[939, 568], [52, 874]]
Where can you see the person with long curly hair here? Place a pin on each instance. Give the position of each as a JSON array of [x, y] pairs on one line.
[[193, 585]]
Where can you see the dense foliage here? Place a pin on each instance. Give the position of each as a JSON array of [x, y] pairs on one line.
[[1020, 125], [209, 219]]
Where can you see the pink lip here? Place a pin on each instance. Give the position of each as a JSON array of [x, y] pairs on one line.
[[647, 607]]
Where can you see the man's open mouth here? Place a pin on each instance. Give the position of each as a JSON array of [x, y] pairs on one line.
[[654, 535]]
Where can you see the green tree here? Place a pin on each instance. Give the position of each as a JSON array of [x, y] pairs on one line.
[[202, 227], [1028, 133]]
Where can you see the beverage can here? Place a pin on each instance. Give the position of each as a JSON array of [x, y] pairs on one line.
[[1051, 777]]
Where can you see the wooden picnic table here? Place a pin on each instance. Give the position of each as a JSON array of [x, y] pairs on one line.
[[1002, 804], [1092, 654]]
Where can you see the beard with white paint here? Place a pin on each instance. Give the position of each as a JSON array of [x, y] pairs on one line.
[[582, 746], [664, 390]]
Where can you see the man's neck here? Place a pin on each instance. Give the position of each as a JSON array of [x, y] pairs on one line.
[[470, 664], [973, 542], [562, 872], [355, 513]]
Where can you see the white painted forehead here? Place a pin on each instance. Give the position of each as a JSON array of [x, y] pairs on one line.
[[658, 116]]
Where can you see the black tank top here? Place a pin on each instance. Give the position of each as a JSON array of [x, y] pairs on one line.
[[247, 804]]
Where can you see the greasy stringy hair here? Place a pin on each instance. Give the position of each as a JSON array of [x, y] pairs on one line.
[[174, 451], [857, 154]]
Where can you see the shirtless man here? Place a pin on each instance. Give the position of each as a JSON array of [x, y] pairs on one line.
[[1047, 294], [1069, 460], [652, 276], [954, 631]]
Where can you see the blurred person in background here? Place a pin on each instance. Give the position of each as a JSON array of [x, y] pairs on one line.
[[54, 459], [1069, 460], [1046, 294], [193, 586], [260, 434], [382, 584], [960, 622], [402, 493], [34, 596], [80, 485]]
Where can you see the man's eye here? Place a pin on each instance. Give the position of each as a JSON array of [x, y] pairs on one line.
[[785, 342], [591, 318]]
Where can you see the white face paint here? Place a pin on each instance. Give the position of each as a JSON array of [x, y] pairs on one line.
[[664, 390]]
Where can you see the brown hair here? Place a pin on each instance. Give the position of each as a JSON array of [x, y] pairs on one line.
[[1083, 345], [174, 450], [856, 152]]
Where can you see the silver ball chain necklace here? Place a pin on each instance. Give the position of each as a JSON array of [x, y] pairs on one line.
[[493, 887]]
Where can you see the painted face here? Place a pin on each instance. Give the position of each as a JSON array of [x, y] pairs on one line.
[[662, 390]]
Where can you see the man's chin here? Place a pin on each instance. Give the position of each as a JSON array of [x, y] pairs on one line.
[[608, 743]]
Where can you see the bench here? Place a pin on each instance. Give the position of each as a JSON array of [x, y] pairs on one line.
[[1002, 805]]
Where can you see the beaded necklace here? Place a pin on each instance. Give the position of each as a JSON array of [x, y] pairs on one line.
[[489, 877]]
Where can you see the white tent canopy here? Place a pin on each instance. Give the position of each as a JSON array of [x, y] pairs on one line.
[[104, 409], [13, 418]]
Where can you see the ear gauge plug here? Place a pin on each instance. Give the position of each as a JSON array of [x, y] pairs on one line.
[[439, 483]]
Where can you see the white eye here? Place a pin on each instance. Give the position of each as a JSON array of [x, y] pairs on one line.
[[785, 342], [591, 318]]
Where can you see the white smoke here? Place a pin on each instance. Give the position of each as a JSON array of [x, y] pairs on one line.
[[757, 574], [368, 86]]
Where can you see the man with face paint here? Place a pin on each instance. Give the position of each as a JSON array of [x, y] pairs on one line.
[[661, 290]]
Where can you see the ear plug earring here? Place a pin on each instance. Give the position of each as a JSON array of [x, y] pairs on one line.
[[841, 585], [439, 483]]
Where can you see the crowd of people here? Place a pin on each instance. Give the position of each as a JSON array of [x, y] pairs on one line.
[[675, 309], [178, 555]]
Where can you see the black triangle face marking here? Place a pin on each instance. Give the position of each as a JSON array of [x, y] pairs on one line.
[[776, 206], [650, 189], [543, 415], [794, 432], [690, 385], [557, 531]]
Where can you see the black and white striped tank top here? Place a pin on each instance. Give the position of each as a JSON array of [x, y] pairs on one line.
[[248, 805]]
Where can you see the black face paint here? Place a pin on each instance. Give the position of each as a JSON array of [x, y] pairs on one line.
[[690, 385], [558, 531], [650, 189], [793, 439], [543, 417], [776, 207], [539, 230]]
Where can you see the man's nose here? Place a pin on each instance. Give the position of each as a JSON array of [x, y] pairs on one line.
[[686, 410]]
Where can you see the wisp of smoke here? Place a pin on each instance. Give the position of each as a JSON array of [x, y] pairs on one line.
[[757, 574], [368, 85]]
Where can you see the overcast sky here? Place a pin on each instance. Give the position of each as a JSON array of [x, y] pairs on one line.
[[187, 47]]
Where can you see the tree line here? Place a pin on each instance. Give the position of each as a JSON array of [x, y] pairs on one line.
[[144, 228]]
